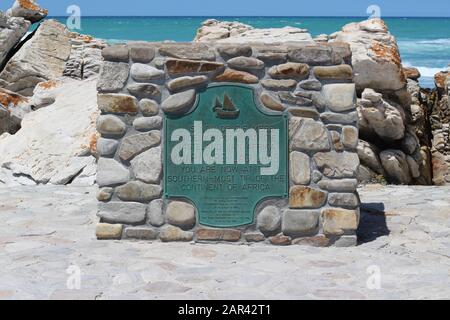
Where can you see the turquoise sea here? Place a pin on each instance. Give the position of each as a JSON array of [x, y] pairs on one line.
[[424, 42]]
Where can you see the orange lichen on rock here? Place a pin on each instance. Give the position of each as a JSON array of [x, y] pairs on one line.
[[31, 5], [386, 53], [48, 84], [8, 98], [93, 143]]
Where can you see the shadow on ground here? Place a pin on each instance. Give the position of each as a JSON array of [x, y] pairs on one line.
[[373, 222]]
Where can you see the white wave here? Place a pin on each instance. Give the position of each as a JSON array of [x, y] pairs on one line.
[[435, 41]]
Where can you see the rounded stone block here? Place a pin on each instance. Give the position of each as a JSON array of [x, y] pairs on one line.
[[269, 220], [147, 123], [175, 234], [155, 214], [232, 51], [141, 233], [148, 107], [280, 85], [290, 70], [347, 200], [350, 137], [339, 97], [113, 76], [117, 103], [308, 135], [271, 102], [337, 164], [147, 166], [302, 197], [105, 194], [122, 212], [142, 53], [245, 63], [230, 75], [135, 144], [179, 67], [311, 84], [337, 221], [228, 235], [300, 168], [138, 191], [280, 240], [300, 222], [186, 82], [181, 214], [106, 147], [144, 90], [117, 53], [110, 125], [142, 73], [338, 185], [340, 72], [106, 231], [179, 103]]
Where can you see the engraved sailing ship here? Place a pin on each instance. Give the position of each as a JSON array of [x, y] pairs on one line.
[[227, 109]]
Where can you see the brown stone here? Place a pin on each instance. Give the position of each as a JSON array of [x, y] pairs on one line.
[[179, 66], [230, 75], [254, 237], [271, 102], [218, 235], [411, 73], [290, 70], [117, 103], [302, 197], [280, 240], [192, 51], [317, 241], [106, 231], [307, 112], [341, 72], [336, 139], [282, 85], [350, 137], [336, 220]]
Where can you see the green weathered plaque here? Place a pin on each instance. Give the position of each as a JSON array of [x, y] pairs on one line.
[[226, 156]]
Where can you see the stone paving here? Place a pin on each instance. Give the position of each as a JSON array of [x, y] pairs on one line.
[[47, 236]]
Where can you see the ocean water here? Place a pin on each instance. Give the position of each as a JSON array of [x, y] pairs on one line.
[[424, 42]]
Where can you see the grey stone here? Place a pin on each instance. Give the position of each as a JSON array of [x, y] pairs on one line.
[[143, 73], [147, 123], [311, 84], [111, 173], [142, 53], [105, 194], [175, 234], [245, 63], [339, 97], [345, 200], [113, 76], [368, 154], [395, 166], [117, 103], [179, 103], [122, 212], [316, 176], [155, 215], [304, 112], [338, 185], [272, 57], [73, 169], [314, 55], [133, 145], [349, 137], [141, 233], [188, 51], [110, 125], [298, 223], [106, 147], [337, 164], [147, 166], [231, 51], [181, 214], [294, 99], [286, 85], [148, 107], [254, 237], [300, 168], [346, 241], [144, 90], [138, 191], [269, 220], [308, 135], [118, 53], [341, 118], [186, 82]]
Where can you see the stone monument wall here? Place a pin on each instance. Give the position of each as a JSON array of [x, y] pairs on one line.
[[311, 84]]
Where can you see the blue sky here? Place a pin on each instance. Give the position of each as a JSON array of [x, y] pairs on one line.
[[403, 8]]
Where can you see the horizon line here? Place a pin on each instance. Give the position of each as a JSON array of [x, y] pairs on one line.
[[237, 16]]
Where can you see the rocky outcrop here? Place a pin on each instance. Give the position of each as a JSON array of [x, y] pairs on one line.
[[235, 32], [40, 59], [85, 57], [375, 56], [27, 9], [13, 108], [55, 143], [11, 31]]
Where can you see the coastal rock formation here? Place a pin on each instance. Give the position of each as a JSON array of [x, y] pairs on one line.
[[40, 59], [55, 143], [375, 55], [11, 31], [13, 108], [236, 32], [27, 9]]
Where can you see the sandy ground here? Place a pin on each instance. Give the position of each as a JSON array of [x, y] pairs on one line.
[[48, 251]]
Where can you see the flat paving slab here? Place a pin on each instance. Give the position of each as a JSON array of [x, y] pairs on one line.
[[48, 250]]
